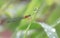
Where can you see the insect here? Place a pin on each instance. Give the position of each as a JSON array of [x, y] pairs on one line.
[[27, 16], [2, 21]]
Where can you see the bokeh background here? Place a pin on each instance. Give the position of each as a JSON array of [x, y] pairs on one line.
[[29, 18]]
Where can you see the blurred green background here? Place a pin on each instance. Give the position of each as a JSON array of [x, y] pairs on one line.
[[30, 18]]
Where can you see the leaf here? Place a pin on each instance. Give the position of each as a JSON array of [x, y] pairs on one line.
[[33, 26], [33, 6], [57, 27], [39, 34]]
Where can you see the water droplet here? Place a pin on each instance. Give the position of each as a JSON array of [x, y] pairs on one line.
[[50, 31]]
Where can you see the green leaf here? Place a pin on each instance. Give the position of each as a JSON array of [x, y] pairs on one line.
[[33, 26], [39, 34], [57, 27], [34, 5]]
